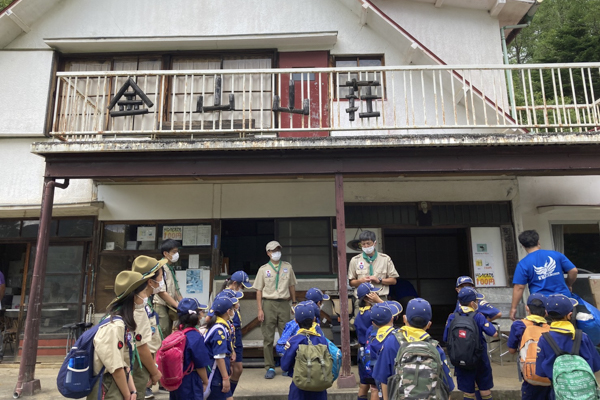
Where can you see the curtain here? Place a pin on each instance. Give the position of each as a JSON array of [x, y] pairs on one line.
[[558, 238]]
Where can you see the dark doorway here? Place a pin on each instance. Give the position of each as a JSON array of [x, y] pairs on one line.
[[431, 259]]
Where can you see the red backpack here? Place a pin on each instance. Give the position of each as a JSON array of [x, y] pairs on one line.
[[169, 359]]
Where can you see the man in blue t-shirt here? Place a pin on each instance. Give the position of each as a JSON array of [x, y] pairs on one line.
[[542, 270]]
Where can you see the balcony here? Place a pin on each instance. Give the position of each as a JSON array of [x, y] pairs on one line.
[[405, 102]]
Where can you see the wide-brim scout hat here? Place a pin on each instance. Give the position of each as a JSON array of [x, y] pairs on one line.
[[147, 266], [125, 283]]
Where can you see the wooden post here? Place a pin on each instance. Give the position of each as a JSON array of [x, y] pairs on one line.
[[346, 378]]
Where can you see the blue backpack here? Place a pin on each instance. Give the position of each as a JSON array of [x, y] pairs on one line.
[[365, 361], [289, 330], [76, 377], [336, 355]]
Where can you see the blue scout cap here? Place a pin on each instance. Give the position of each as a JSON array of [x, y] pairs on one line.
[[560, 304], [316, 295], [539, 297], [467, 295], [418, 307], [366, 288], [304, 311], [381, 314], [232, 294], [241, 277], [464, 279], [189, 306], [220, 305], [394, 306]]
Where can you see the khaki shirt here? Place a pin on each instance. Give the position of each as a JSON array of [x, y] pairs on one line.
[[143, 331], [265, 281], [383, 267], [156, 341], [110, 349], [169, 287]]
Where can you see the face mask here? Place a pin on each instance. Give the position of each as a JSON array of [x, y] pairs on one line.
[[161, 284], [202, 321], [155, 290], [369, 250], [175, 257], [276, 256]]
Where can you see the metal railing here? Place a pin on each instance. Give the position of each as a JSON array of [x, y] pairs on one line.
[[322, 101]]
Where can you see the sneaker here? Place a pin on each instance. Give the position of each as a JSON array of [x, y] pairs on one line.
[[284, 373], [149, 394], [270, 373]]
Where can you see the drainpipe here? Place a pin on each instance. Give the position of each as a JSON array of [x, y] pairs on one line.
[[27, 384], [509, 81]]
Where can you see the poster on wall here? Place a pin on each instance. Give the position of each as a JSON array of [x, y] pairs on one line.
[[193, 281], [146, 233], [196, 235], [172, 232], [488, 260]]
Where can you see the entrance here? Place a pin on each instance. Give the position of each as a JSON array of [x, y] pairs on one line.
[[431, 259]]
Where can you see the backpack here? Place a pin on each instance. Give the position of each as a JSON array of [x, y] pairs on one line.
[[289, 330], [366, 364], [76, 377], [336, 355], [572, 377], [528, 352], [313, 367], [169, 359], [418, 370], [464, 344]]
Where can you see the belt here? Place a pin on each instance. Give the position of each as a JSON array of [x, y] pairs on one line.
[[277, 299]]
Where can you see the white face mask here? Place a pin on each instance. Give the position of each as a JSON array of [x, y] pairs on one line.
[[161, 284], [175, 257], [276, 256], [155, 290], [369, 250]]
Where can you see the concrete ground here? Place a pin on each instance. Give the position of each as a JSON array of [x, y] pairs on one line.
[[252, 385]]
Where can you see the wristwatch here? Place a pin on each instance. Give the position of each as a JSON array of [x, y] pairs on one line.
[[380, 280]]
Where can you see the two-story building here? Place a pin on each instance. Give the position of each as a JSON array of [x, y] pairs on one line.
[[229, 124]]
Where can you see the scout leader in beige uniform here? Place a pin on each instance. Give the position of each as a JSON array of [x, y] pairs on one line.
[[148, 336], [371, 266], [113, 341], [168, 296], [275, 283]]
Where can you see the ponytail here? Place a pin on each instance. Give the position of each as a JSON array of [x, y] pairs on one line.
[[225, 284]]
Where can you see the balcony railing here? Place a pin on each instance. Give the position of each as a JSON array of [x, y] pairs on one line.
[[327, 101]]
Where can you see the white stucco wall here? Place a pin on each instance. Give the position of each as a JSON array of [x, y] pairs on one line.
[[24, 91]]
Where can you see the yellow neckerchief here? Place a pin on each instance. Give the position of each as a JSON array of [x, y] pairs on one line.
[[311, 331], [467, 309], [536, 318], [414, 334], [365, 308], [563, 327], [239, 316], [383, 331], [224, 323], [314, 326]]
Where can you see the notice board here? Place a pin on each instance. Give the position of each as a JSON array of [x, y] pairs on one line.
[[489, 269]]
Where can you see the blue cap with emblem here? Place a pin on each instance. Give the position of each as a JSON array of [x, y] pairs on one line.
[[189, 306], [381, 314], [418, 307], [464, 279], [467, 295], [366, 288], [316, 295], [560, 304], [232, 294], [537, 299], [220, 305], [304, 311], [241, 277], [394, 306]]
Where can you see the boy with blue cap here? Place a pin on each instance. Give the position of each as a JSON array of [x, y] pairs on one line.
[[536, 323], [489, 311], [317, 296], [235, 339], [219, 347], [304, 313], [562, 331], [367, 296], [467, 377], [382, 317], [417, 319]]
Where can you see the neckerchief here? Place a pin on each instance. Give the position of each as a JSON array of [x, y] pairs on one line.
[[383, 331], [563, 327], [239, 316], [174, 278], [467, 309], [223, 322], [311, 331], [536, 318], [370, 260], [414, 334], [277, 271], [365, 308]]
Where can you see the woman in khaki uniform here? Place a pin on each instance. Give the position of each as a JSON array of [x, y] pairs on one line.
[[113, 340], [147, 336]]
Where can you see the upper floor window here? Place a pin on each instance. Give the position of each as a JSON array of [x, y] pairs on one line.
[[580, 243], [364, 61]]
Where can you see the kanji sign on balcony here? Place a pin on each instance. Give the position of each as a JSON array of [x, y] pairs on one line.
[[129, 106], [354, 86]]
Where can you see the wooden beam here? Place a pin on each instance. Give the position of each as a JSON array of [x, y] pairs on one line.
[[364, 14], [497, 7], [250, 326]]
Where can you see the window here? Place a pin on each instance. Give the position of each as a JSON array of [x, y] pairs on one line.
[[365, 61], [580, 243]]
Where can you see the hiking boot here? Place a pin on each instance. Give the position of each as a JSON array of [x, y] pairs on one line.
[[270, 373]]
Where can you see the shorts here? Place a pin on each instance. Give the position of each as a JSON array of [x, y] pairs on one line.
[[216, 394], [532, 392], [482, 375], [239, 347]]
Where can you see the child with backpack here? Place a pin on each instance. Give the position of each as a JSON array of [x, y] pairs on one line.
[[218, 343], [396, 366], [367, 296], [567, 356], [524, 337], [467, 347], [307, 358], [382, 318], [235, 328], [489, 311]]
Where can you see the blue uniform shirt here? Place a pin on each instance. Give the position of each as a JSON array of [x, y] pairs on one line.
[[219, 343], [362, 322], [196, 352], [287, 364], [483, 325], [488, 310], [546, 356], [516, 334], [387, 358], [543, 270]]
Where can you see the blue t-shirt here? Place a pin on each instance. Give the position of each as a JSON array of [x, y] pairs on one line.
[[196, 352], [546, 356], [362, 322], [488, 310], [543, 270], [219, 343]]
